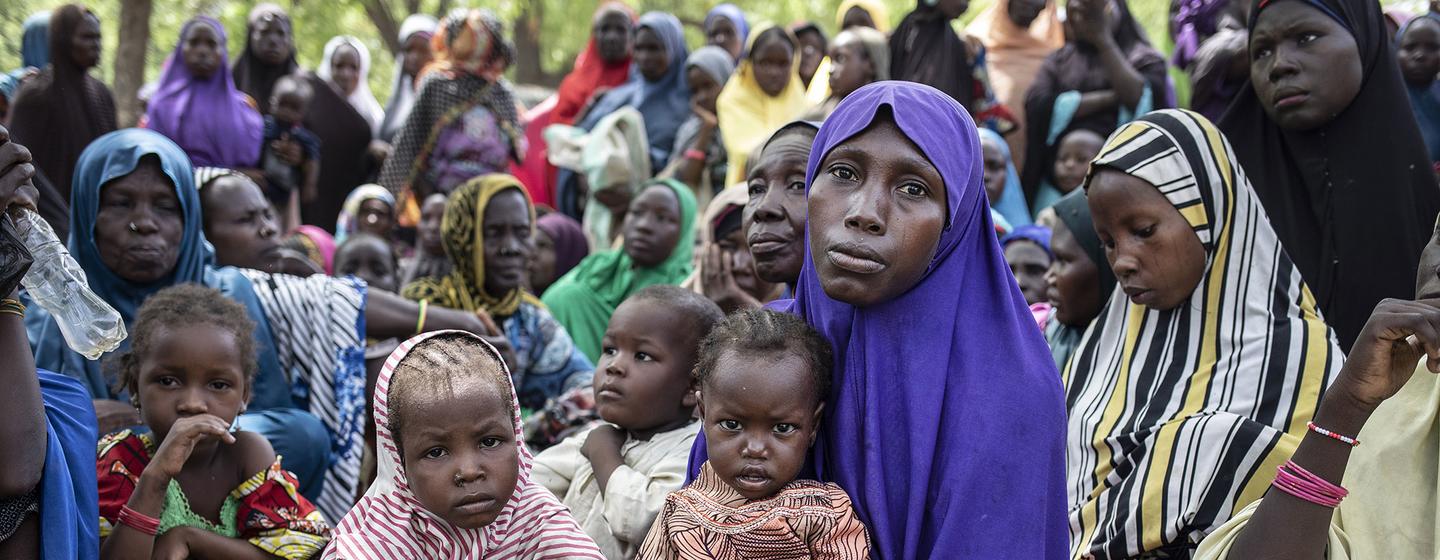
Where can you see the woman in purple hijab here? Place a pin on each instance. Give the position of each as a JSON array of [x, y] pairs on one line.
[[946, 423], [198, 106]]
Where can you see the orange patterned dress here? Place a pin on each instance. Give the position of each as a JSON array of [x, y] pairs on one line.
[[710, 520]]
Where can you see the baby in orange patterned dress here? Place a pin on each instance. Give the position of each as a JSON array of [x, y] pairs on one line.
[[194, 486], [763, 379]]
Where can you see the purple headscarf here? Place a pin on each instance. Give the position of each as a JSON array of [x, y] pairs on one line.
[[569, 239], [211, 120], [948, 448]]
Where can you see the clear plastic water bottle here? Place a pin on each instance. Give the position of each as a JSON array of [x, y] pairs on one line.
[[55, 281]]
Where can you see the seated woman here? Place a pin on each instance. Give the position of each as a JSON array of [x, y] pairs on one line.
[[657, 87], [725, 269], [198, 106], [702, 162], [487, 232], [924, 420], [764, 94], [138, 229], [1308, 153], [560, 245], [367, 209], [1215, 321], [1002, 183], [47, 475], [1104, 76], [725, 27], [1080, 278], [858, 57], [774, 218], [659, 239]]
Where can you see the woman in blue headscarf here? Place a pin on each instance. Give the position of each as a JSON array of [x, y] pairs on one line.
[[725, 27], [947, 448], [137, 228], [657, 86], [1001, 177]]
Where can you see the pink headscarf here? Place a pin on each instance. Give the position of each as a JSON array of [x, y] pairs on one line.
[[389, 521]]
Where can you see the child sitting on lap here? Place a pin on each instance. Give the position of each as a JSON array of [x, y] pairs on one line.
[[763, 380], [454, 478], [194, 486], [615, 477]]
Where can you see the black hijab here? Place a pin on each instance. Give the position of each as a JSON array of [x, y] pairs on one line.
[[1077, 67], [57, 114], [925, 49], [252, 75], [1074, 210], [345, 161], [1354, 200]]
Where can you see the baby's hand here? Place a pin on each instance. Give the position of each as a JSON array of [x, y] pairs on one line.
[[181, 441]]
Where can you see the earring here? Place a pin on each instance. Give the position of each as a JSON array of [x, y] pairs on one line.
[[133, 227]]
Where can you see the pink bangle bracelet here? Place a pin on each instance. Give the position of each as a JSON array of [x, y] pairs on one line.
[[1294, 480], [138, 521]]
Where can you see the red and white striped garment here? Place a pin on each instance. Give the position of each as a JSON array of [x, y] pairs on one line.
[[390, 523]]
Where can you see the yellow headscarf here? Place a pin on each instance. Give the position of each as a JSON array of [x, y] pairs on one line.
[[462, 232], [747, 114], [877, 9]]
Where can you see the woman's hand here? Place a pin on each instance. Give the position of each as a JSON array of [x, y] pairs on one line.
[[288, 151], [16, 171], [708, 120], [1383, 358], [182, 439], [1092, 26], [496, 337], [718, 281]]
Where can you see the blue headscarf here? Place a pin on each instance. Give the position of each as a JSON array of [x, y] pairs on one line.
[[1039, 235], [1012, 201], [108, 158], [947, 448], [665, 103], [35, 42], [736, 17], [1425, 100], [69, 503]]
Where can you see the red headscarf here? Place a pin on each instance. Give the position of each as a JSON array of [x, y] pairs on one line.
[[591, 72]]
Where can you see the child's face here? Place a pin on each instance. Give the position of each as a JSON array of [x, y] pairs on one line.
[[1073, 279], [431, 216], [996, 170], [375, 217], [289, 106], [460, 453], [774, 63], [1028, 262], [371, 260], [652, 226], [760, 417], [877, 208], [188, 372], [1072, 159], [1419, 52], [642, 380], [508, 244], [1152, 248]]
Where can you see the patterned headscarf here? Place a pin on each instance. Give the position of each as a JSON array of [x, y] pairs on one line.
[[389, 522], [462, 230], [472, 41]]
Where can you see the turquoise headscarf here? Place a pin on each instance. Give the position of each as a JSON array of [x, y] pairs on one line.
[[583, 299], [108, 158], [1012, 201]]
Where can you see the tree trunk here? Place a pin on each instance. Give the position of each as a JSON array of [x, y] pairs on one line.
[[384, 19], [528, 69], [130, 59]]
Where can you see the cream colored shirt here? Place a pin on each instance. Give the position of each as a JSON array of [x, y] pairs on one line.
[[619, 519]]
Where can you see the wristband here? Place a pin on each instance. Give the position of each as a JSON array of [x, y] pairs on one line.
[[1332, 435], [694, 154], [420, 325], [138, 521], [1294, 480]]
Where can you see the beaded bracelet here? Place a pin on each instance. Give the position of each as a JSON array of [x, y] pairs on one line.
[[1294, 480], [12, 307], [138, 521], [1332, 435]]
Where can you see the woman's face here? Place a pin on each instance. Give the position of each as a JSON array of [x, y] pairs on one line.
[[774, 218], [857, 17], [1073, 278], [774, 65], [650, 55], [270, 40], [508, 244], [652, 226], [1305, 67], [140, 225], [345, 69], [240, 224], [85, 45], [417, 54], [722, 33], [431, 215], [1419, 52], [812, 51], [201, 51], [542, 266], [1154, 252], [850, 66], [1028, 263], [612, 36], [877, 209], [375, 217], [996, 170], [704, 90]]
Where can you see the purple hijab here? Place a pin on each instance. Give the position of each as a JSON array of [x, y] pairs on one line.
[[211, 120], [946, 423]]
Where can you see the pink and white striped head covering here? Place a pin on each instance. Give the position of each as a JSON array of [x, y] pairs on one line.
[[389, 521]]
